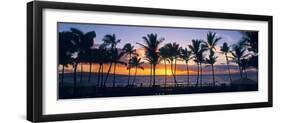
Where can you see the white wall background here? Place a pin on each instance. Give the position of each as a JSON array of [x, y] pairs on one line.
[[13, 61]]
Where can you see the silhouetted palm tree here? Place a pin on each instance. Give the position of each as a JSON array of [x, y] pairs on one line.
[[212, 60], [225, 49], [111, 41], [164, 54], [129, 50], [185, 54], [86, 41], [151, 46], [136, 63], [244, 66], [201, 59], [116, 59], [67, 46], [212, 41], [198, 48], [102, 56], [250, 42], [173, 54], [238, 54]]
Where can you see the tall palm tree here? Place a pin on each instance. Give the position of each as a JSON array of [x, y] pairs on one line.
[[136, 63], [164, 54], [173, 54], [212, 41], [111, 41], [86, 41], [198, 48], [238, 54], [129, 50], [185, 54], [151, 46], [67, 42], [225, 49]]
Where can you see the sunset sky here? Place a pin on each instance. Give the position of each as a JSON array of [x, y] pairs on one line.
[[134, 34]]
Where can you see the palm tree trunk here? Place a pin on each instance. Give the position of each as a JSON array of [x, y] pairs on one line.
[[98, 83], [128, 83], [81, 72], [154, 69], [227, 62], [197, 81], [172, 71], [114, 75], [241, 75], [62, 75], [213, 73], [135, 76], [201, 75], [165, 74], [103, 84], [175, 69], [75, 78], [129, 76], [150, 77], [246, 74], [187, 73], [90, 72], [109, 69]]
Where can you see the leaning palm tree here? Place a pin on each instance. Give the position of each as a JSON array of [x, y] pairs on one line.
[[116, 59], [198, 48], [211, 42], [136, 63], [185, 55], [151, 46], [129, 50], [164, 54], [238, 54], [111, 41], [225, 49]]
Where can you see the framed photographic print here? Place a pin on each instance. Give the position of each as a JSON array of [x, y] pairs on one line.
[[95, 61]]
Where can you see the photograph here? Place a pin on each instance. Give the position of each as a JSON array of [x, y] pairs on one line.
[[110, 60]]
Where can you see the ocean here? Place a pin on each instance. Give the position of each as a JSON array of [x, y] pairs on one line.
[[143, 81]]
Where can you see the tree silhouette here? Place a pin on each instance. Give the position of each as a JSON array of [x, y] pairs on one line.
[[198, 48], [136, 63], [164, 54], [84, 45], [67, 46], [185, 54], [250, 42], [129, 50], [116, 59], [225, 49], [173, 54], [238, 54], [212, 41], [151, 46], [111, 41]]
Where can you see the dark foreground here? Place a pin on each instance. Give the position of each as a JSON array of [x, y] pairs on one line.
[[94, 92]]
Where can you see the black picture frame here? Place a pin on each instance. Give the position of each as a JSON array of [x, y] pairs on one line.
[[34, 60]]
